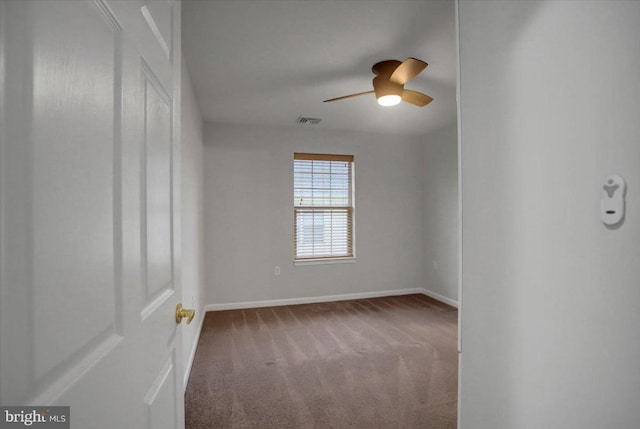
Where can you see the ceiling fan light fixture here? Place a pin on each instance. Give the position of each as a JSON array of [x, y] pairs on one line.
[[388, 85], [388, 93], [389, 100]]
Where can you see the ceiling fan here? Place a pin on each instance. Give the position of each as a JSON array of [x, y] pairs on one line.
[[388, 85]]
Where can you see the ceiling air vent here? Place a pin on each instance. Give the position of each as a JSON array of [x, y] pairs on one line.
[[304, 120]]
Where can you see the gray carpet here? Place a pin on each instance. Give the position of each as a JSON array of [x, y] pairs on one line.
[[372, 363]]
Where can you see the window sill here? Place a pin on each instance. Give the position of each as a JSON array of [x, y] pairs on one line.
[[325, 261]]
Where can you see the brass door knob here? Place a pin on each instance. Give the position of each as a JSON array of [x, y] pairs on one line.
[[181, 313]]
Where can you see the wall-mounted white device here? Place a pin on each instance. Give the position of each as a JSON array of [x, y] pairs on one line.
[[612, 200]]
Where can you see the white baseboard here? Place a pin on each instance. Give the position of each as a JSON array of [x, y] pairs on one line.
[[310, 300], [192, 355], [328, 298], [440, 298]]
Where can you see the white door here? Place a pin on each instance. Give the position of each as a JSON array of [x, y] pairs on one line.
[[89, 219]]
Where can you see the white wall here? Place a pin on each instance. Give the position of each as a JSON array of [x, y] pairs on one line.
[[249, 213], [440, 213], [192, 217], [550, 105]]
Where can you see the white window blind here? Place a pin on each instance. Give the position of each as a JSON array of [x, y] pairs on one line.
[[323, 206]]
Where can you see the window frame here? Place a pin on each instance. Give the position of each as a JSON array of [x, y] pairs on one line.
[[350, 209]]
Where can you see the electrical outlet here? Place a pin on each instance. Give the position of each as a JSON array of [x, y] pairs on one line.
[[276, 270], [435, 265]]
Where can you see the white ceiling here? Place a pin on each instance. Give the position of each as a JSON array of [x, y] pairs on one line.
[[270, 61]]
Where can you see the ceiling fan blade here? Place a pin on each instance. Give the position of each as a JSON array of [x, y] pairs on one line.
[[407, 70], [348, 96], [416, 98]]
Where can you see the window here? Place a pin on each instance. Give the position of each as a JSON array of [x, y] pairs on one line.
[[323, 206]]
